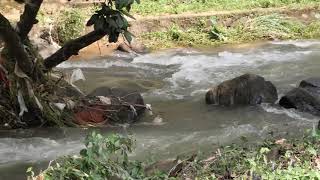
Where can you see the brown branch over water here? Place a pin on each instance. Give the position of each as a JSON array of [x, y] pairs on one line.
[[72, 48]]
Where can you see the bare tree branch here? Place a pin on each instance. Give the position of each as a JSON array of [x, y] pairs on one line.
[[15, 47], [28, 18], [72, 48]]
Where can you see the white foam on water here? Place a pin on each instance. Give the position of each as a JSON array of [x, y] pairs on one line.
[[297, 43], [34, 149], [174, 144], [103, 64], [197, 68], [204, 70], [292, 113]]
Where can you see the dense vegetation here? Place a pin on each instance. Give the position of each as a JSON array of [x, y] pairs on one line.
[[107, 157]]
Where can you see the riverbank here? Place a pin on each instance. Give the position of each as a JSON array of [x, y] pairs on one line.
[[195, 25], [228, 27], [181, 122], [271, 159], [168, 7]]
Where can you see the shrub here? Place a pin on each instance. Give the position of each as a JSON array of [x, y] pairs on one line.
[[70, 24], [103, 157], [274, 26]]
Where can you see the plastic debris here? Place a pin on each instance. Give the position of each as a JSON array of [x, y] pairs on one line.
[[134, 111], [71, 104], [31, 94], [158, 121], [149, 108], [105, 100], [60, 106], [77, 75], [22, 104]]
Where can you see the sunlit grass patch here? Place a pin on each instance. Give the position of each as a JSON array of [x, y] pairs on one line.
[[262, 27], [152, 7]]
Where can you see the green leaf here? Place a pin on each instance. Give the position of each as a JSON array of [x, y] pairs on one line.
[[99, 24], [29, 169], [128, 36], [312, 151], [264, 150], [121, 4], [127, 14], [92, 20], [83, 152], [128, 8], [120, 22]]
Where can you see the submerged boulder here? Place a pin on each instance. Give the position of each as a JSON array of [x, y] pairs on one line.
[[305, 98], [128, 105], [248, 89]]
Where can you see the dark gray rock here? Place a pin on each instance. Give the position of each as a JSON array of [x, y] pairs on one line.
[[311, 82], [248, 89], [305, 98], [119, 97]]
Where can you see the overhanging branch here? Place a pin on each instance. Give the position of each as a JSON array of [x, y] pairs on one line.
[[72, 48], [15, 47], [28, 18]]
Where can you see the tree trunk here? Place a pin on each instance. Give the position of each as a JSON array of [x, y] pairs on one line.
[[15, 47]]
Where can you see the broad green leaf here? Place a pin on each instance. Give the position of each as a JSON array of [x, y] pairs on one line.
[[99, 24], [127, 14], [312, 151], [128, 36], [92, 20]]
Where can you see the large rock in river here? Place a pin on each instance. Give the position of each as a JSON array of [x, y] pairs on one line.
[[248, 89], [128, 104], [305, 98]]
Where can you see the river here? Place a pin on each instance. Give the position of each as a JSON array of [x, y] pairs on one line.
[[174, 82]]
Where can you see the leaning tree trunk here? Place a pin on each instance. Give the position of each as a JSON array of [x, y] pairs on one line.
[[27, 90], [28, 93], [20, 70]]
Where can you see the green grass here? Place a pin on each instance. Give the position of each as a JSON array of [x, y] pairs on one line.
[[156, 7], [204, 34]]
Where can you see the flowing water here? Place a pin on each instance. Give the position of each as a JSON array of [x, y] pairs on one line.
[[174, 82]]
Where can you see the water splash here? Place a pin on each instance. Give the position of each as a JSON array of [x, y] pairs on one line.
[[292, 113]]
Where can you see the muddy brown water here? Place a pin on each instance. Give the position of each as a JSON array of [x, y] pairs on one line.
[[174, 83]]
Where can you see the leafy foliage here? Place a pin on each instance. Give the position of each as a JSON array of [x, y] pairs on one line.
[[107, 157], [112, 21], [102, 158], [274, 26]]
